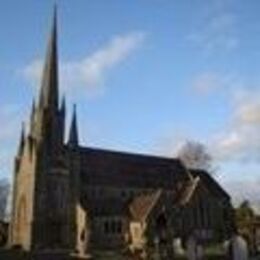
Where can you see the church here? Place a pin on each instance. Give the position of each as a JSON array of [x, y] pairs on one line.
[[77, 198]]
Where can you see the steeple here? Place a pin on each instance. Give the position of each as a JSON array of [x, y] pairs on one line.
[[22, 140], [73, 135], [63, 106], [49, 95], [33, 110]]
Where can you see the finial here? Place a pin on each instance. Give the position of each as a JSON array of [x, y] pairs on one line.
[[23, 128], [63, 104], [55, 15], [73, 135], [49, 95], [33, 107], [22, 139]]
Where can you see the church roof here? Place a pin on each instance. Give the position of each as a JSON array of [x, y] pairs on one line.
[[104, 167], [105, 207], [73, 134], [210, 182]]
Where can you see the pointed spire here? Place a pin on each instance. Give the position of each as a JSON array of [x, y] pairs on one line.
[[32, 116], [22, 140], [73, 135], [33, 110], [49, 87], [63, 105]]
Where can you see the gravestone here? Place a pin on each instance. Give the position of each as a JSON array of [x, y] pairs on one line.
[[236, 248], [239, 248], [191, 248], [199, 252], [157, 248], [177, 246], [194, 249]]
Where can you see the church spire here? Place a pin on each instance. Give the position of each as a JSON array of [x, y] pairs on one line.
[[22, 140], [32, 118], [63, 105], [49, 95], [73, 135], [33, 108]]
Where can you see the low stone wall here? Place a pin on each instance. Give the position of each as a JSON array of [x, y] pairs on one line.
[[20, 255], [12, 254]]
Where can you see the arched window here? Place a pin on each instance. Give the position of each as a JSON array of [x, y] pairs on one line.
[[119, 227], [201, 214], [82, 235], [113, 226], [106, 227], [123, 194], [54, 237]]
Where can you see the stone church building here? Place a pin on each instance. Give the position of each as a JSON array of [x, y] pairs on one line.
[[75, 198]]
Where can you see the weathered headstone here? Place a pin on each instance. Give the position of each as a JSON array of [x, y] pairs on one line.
[[157, 249], [191, 248], [177, 246], [236, 248], [199, 252], [239, 248]]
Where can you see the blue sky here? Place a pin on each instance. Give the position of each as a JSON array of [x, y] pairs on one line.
[[146, 76]]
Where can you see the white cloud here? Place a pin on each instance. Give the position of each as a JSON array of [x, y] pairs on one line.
[[241, 140], [89, 72], [248, 112], [33, 71], [10, 116], [217, 28], [208, 82], [169, 145]]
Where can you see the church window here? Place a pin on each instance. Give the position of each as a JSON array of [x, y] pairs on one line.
[[201, 214], [209, 216], [60, 196], [106, 227], [93, 194], [206, 214], [118, 227], [123, 194], [82, 235], [97, 191], [113, 227], [55, 233]]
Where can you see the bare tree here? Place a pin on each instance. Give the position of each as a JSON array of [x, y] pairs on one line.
[[195, 155], [4, 196]]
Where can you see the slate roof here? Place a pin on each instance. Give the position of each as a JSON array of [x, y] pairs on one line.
[[107, 207], [104, 167], [210, 183]]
